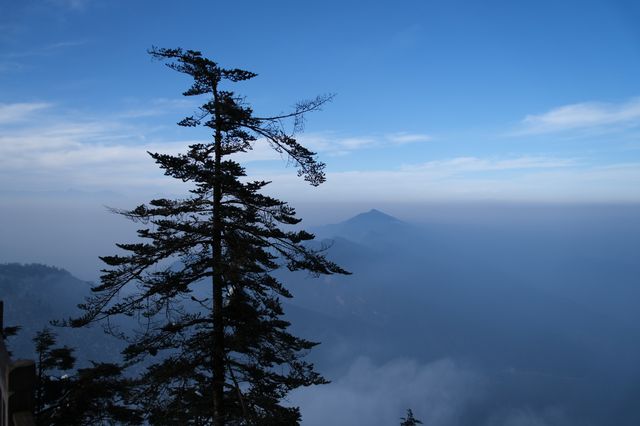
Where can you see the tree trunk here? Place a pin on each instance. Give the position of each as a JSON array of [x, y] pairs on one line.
[[217, 279]]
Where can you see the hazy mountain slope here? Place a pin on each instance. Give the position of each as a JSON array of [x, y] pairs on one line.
[[36, 294]]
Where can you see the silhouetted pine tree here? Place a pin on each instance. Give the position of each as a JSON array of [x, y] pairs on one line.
[[410, 420], [224, 357]]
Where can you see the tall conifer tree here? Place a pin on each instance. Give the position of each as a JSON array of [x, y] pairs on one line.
[[200, 276]]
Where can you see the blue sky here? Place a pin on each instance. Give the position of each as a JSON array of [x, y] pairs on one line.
[[437, 100]]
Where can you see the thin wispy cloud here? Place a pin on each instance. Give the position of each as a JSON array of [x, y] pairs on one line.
[[111, 155], [474, 164], [336, 145], [406, 38], [471, 179], [10, 66], [93, 167], [159, 106], [61, 150], [71, 4], [9, 28], [11, 62], [18, 112], [64, 44], [404, 138], [579, 116], [45, 50]]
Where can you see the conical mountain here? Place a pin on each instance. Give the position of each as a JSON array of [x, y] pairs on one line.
[[373, 228]]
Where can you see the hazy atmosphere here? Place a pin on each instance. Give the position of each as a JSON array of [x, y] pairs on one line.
[[482, 187]]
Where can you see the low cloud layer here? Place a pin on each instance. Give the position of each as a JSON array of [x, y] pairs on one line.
[[380, 394], [440, 393]]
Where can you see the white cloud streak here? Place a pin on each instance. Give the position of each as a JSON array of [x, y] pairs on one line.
[[71, 4], [46, 50], [474, 164], [107, 156], [18, 112], [159, 106], [87, 154], [482, 180], [402, 138], [335, 145], [586, 115], [91, 155], [338, 145]]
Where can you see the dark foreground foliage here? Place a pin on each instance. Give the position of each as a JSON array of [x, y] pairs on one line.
[[95, 395]]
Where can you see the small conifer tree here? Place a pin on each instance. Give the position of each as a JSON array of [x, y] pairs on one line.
[[51, 383], [410, 420]]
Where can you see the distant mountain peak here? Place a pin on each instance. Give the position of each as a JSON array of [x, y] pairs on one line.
[[373, 216], [372, 224]]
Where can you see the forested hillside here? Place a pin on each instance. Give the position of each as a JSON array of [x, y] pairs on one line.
[[34, 295]]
